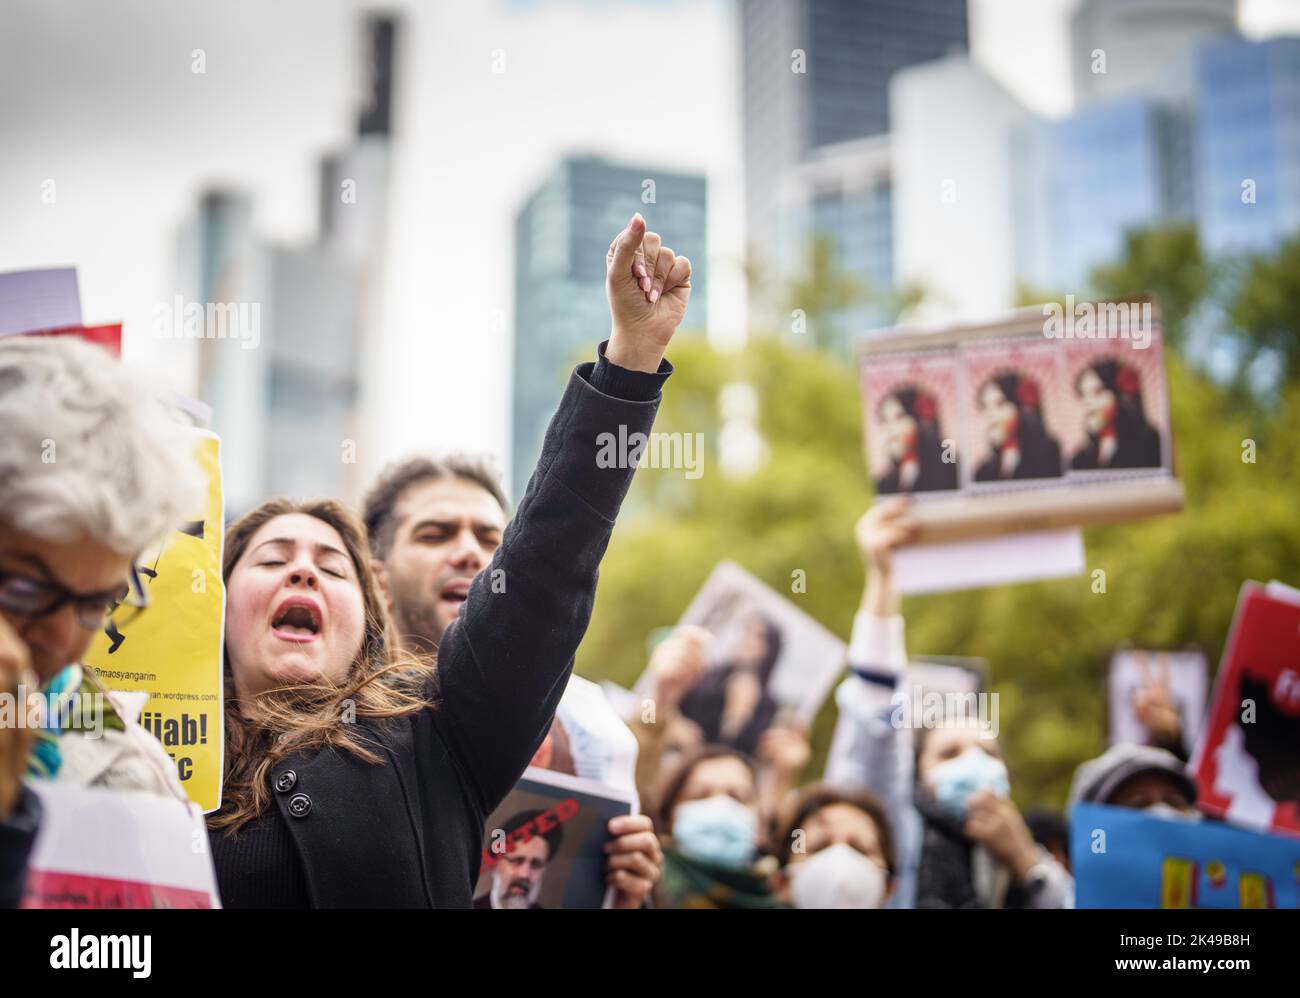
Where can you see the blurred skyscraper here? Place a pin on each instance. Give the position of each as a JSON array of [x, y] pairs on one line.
[[1248, 143], [816, 73], [841, 198], [1213, 139], [289, 409], [953, 203], [1084, 181], [562, 235], [1142, 48], [1124, 159]]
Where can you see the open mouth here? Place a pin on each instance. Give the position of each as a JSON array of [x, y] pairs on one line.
[[455, 591], [297, 620]]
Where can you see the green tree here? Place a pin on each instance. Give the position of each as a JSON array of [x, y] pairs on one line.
[[1170, 581], [1166, 262], [1265, 307]]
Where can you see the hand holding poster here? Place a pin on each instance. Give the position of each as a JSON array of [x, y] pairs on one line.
[[544, 845], [1157, 698], [1247, 763], [769, 662], [1125, 858]]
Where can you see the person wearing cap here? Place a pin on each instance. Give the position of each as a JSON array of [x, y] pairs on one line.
[[1138, 776]]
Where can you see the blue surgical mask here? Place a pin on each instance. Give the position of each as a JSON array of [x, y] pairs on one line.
[[718, 830], [956, 780]]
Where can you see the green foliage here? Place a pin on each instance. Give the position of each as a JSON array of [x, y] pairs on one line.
[[1166, 262], [1265, 307], [1170, 582]]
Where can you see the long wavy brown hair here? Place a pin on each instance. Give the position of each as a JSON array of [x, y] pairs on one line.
[[382, 682]]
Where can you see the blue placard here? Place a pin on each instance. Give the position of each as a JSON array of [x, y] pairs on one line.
[[1124, 858]]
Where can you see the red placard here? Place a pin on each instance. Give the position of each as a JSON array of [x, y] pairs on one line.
[[109, 336], [1247, 763]]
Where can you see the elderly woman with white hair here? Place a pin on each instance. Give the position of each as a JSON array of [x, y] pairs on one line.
[[93, 469]]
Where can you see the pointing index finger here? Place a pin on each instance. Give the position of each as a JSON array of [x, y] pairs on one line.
[[629, 241]]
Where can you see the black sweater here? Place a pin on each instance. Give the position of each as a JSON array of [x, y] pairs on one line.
[[409, 832]]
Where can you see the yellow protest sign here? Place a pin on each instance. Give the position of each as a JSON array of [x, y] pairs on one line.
[[173, 649]]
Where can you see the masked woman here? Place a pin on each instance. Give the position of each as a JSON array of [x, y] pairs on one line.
[[709, 818], [908, 417], [353, 777], [961, 841], [1019, 445], [1119, 435]]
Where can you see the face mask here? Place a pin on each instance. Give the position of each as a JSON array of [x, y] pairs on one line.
[[837, 877], [718, 830], [1162, 810], [955, 781]]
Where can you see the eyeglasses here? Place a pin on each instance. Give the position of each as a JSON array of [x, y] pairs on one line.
[[25, 596]]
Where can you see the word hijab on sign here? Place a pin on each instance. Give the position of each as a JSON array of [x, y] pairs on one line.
[[78, 952]]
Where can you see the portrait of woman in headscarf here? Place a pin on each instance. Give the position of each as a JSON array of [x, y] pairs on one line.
[[908, 417]]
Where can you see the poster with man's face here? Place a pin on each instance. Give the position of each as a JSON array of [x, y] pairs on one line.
[[543, 847]]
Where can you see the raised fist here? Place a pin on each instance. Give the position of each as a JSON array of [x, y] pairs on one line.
[[648, 287]]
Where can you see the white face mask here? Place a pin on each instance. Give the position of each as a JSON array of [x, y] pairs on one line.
[[837, 877]]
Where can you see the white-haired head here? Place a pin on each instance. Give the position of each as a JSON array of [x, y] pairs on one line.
[[87, 450]]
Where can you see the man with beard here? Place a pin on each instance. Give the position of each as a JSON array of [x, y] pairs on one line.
[[433, 526], [517, 876]]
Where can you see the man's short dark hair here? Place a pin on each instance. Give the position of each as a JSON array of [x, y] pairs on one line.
[[377, 508]]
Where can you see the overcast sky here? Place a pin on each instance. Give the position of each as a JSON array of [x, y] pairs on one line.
[[100, 98]]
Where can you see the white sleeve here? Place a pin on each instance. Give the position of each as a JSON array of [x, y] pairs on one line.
[[877, 643], [863, 753]]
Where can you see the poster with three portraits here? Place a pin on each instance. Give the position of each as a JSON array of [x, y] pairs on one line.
[[1021, 423]]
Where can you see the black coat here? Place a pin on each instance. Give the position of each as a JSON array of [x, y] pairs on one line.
[[409, 832]]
